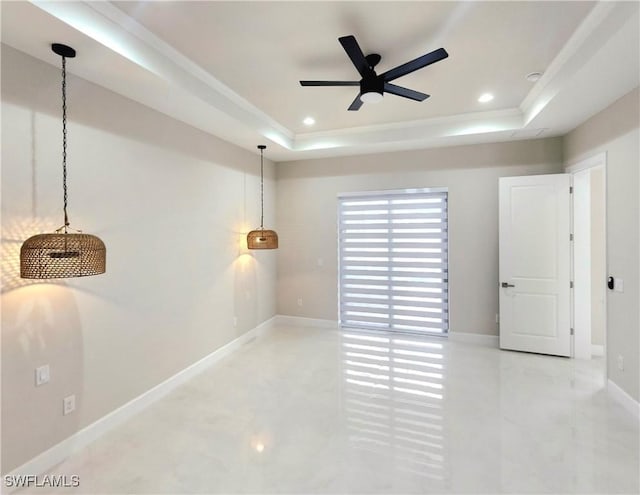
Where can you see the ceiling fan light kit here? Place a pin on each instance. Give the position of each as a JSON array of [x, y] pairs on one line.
[[372, 90], [373, 85], [62, 254]]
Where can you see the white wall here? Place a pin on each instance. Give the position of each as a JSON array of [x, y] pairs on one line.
[[616, 131], [307, 209], [170, 202]]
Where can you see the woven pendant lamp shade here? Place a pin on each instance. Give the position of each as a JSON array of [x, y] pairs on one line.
[[62, 256], [262, 239]]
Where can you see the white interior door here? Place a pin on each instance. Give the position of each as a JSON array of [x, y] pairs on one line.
[[535, 265]]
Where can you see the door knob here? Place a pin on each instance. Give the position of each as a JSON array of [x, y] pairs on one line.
[[505, 285]]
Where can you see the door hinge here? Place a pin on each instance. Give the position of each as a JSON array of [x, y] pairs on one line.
[[571, 331], [571, 237], [570, 189], [571, 285]]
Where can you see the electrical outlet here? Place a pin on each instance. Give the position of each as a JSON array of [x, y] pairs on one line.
[[619, 285], [300, 301], [620, 363], [43, 375], [68, 405], [320, 262]]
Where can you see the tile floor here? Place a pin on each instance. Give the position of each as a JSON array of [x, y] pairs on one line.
[[302, 410]]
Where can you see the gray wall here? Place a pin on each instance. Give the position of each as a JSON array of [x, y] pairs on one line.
[[170, 202], [307, 210], [615, 130]]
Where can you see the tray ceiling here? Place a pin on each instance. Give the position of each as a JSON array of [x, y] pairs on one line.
[[232, 68]]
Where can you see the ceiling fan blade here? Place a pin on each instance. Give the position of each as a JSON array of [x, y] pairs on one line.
[[413, 65], [329, 83], [357, 103], [352, 48], [405, 92]]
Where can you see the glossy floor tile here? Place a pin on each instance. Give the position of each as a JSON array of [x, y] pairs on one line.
[[302, 410]]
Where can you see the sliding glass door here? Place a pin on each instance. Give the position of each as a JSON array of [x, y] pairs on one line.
[[393, 261]]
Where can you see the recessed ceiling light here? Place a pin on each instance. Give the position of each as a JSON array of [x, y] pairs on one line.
[[309, 121], [534, 76], [486, 97]]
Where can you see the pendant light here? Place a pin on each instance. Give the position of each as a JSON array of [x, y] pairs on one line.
[[62, 254], [261, 238]]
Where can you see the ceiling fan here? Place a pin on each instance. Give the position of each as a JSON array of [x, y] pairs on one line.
[[372, 85]]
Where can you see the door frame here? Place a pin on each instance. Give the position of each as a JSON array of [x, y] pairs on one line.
[[580, 165]]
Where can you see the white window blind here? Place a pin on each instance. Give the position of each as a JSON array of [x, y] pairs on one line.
[[394, 261]]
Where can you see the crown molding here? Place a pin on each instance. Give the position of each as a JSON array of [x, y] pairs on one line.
[[558, 102]]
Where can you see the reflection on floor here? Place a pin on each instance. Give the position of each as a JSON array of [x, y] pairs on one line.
[[304, 410], [393, 395]]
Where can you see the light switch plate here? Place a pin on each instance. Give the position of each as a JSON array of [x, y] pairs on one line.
[[619, 285], [68, 405], [43, 375]]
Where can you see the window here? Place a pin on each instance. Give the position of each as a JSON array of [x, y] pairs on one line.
[[393, 249]]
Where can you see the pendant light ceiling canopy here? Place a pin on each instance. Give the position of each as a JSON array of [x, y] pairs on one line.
[[262, 238], [62, 254]]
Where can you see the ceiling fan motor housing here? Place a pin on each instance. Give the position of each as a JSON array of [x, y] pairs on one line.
[[373, 84]]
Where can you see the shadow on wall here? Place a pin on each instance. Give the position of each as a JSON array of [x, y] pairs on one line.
[[20, 227], [245, 276], [40, 326], [245, 294], [14, 233], [245, 283]]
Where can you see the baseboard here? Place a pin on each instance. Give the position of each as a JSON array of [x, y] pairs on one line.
[[305, 322], [61, 451], [623, 398], [597, 350], [469, 338], [475, 338]]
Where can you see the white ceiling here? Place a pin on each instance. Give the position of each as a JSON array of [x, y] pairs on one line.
[[232, 68]]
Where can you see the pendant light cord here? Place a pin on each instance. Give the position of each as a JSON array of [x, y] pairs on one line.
[[261, 189], [64, 141]]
